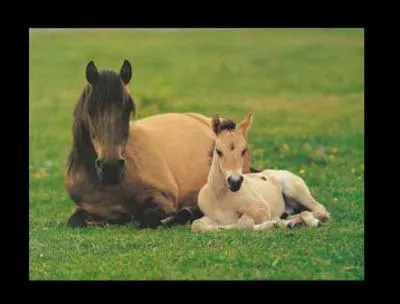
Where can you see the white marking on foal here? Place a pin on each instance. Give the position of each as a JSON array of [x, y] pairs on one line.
[[233, 174]]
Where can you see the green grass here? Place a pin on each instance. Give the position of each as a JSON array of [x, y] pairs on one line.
[[306, 88]]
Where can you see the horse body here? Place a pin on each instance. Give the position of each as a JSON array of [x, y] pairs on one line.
[[171, 150], [149, 169], [167, 161], [253, 200]]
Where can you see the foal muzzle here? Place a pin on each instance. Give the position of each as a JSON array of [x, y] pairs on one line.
[[235, 182]]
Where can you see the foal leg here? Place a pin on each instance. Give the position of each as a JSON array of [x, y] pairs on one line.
[[295, 188], [204, 224], [245, 222], [304, 217], [275, 222]]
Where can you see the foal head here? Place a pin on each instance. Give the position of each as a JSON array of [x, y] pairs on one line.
[[104, 114], [230, 148]]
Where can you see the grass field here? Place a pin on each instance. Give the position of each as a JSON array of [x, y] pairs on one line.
[[306, 88]]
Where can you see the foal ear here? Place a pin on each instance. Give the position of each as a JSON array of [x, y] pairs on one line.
[[245, 124], [126, 72], [216, 124], [91, 72]]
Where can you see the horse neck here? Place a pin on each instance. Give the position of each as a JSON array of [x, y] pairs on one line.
[[216, 177]]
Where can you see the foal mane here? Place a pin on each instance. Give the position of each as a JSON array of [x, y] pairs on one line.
[[230, 126], [226, 124]]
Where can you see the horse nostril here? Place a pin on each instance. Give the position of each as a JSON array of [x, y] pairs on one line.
[[99, 163], [237, 181]]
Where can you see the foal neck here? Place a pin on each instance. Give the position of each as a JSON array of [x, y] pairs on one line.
[[216, 178]]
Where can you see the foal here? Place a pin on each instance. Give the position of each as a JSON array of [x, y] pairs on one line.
[[231, 199]]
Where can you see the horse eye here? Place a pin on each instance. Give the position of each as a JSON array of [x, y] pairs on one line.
[[219, 152], [244, 151]]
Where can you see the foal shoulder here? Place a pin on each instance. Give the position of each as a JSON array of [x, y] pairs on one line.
[[207, 200]]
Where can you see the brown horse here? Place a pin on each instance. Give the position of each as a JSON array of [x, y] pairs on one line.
[[150, 170]]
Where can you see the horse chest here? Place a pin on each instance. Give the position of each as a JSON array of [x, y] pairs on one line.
[[234, 201]]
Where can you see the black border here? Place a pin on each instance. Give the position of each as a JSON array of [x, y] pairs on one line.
[[231, 286]]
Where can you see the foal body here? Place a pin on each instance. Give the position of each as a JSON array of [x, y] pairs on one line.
[[262, 198]]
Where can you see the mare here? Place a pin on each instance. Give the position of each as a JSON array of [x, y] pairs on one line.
[[120, 170]]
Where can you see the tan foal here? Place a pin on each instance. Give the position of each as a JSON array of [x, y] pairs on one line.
[[231, 199]]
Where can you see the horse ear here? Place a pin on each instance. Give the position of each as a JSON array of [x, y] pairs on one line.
[[126, 72], [245, 124], [216, 124], [91, 73]]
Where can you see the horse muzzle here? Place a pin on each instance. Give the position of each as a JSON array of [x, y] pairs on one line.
[[110, 172], [235, 183]]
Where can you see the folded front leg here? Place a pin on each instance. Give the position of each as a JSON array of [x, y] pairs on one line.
[[244, 222], [204, 224]]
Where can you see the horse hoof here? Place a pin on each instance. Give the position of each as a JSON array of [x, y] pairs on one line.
[[291, 225], [77, 220], [151, 218], [168, 221]]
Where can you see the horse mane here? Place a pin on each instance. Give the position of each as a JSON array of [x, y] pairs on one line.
[[226, 124], [82, 153], [108, 91], [230, 126]]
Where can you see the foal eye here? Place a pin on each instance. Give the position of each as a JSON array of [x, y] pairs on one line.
[[244, 152], [218, 152]]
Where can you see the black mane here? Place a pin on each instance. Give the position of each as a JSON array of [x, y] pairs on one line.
[[227, 124]]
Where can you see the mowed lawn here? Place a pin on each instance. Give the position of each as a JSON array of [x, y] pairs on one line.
[[306, 88]]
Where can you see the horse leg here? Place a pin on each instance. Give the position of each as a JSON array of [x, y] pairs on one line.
[[158, 207], [185, 215], [204, 224], [268, 224], [121, 220], [295, 188], [244, 222], [78, 219], [188, 213], [304, 217], [82, 218]]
